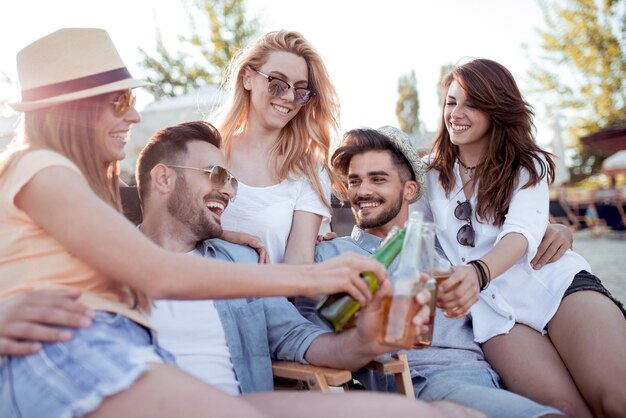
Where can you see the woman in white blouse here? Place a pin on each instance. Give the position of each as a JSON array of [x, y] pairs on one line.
[[487, 191]]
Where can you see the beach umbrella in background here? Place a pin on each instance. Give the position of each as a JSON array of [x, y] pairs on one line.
[[607, 140], [615, 164], [561, 174]]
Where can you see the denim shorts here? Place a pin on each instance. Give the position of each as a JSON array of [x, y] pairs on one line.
[[72, 378], [587, 281], [477, 387]]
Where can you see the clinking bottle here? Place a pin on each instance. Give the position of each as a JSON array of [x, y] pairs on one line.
[[339, 309], [401, 306]]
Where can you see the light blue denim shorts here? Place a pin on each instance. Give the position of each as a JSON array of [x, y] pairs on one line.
[[478, 388], [71, 379], [475, 386]]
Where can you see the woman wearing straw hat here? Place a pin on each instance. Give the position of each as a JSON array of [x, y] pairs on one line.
[[61, 229]]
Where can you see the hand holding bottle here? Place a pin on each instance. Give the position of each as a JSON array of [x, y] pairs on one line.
[[459, 292], [370, 319], [342, 274]]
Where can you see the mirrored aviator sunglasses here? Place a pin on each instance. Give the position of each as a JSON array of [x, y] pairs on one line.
[[466, 234], [277, 87], [218, 176], [124, 102]]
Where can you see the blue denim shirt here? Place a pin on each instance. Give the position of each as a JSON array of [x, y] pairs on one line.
[[259, 329]]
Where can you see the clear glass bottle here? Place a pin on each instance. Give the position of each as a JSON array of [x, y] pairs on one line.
[[401, 305], [427, 255]]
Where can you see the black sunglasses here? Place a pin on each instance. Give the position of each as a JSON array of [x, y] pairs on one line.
[[466, 234], [277, 87]]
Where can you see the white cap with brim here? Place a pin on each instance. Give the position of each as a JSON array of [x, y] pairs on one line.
[[70, 64]]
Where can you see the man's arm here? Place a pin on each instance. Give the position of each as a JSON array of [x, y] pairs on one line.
[[31, 318], [354, 348], [555, 242]]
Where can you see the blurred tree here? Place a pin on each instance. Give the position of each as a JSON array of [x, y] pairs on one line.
[[6, 84], [217, 29], [408, 105], [443, 72], [583, 70]]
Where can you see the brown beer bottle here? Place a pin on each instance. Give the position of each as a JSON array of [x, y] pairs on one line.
[[338, 309]]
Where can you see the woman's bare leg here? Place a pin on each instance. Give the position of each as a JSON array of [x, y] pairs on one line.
[[165, 391], [529, 364], [357, 404], [589, 332]]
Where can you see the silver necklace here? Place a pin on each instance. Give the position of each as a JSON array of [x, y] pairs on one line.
[[469, 171]]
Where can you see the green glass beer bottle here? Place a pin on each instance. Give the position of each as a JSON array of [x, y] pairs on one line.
[[338, 309]]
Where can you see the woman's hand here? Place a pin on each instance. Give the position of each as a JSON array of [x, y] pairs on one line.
[[342, 274], [457, 294], [251, 241], [31, 318], [329, 236]]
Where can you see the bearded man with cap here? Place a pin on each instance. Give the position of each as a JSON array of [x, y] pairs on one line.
[[384, 175]]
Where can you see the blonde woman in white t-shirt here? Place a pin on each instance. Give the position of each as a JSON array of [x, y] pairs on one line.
[[278, 126]]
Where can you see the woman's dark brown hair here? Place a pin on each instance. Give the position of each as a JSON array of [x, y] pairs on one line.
[[511, 146]]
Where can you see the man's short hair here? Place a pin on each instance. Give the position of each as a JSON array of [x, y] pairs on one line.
[[169, 146], [362, 140]]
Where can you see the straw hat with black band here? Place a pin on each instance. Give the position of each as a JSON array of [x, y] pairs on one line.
[[70, 64]]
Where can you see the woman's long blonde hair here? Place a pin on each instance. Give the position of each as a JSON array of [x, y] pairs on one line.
[[71, 130], [304, 144]]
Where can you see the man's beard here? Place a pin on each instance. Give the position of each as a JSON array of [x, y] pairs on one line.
[[180, 206], [383, 218]]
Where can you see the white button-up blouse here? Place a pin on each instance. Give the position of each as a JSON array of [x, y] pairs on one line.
[[520, 294]]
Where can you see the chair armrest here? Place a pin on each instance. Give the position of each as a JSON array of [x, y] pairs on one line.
[[397, 366], [316, 377], [388, 365]]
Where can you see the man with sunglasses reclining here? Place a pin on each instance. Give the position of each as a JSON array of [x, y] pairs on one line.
[[384, 174]]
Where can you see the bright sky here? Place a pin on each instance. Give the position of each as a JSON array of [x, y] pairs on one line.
[[366, 45]]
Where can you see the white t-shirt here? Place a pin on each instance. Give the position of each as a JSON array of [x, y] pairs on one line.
[[267, 212], [520, 294], [192, 331]]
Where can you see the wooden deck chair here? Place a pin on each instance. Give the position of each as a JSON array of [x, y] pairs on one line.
[[130, 204], [343, 220], [313, 377], [561, 212], [579, 210], [321, 379], [612, 213]]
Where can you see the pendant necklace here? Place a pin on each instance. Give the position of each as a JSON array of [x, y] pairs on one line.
[[469, 171]]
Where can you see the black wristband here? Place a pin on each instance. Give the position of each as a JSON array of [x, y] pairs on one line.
[[488, 275], [483, 272], [479, 273]]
